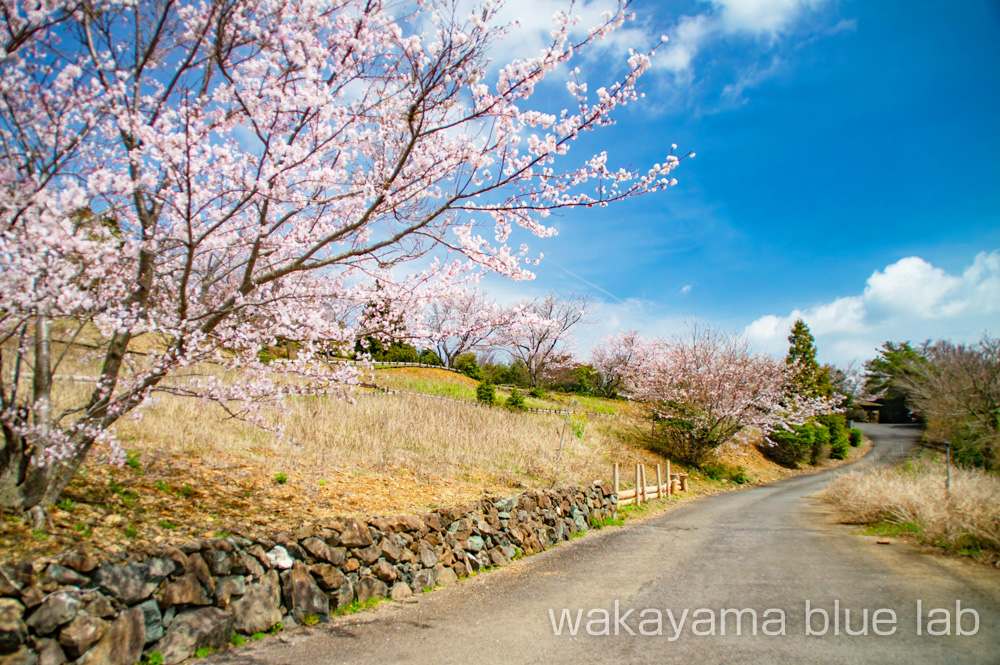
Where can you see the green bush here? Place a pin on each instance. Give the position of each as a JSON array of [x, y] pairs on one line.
[[790, 447], [469, 366], [428, 357], [836, 423], [537, 392], [820, 444], [400, 352], [486, 393], [839, 448], [515, 401], [681, 438], [514, 374], [721, 471], [855, 437]]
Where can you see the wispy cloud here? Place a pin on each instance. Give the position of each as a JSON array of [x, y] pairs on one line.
[[732, 94], [761, 23]]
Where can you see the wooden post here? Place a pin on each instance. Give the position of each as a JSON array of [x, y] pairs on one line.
[[947, 464], [614, 477], [670, 481], [659, 483], [645, 497], [638, 481]]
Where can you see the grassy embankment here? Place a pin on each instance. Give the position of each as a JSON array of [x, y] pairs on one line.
[[195, 472]]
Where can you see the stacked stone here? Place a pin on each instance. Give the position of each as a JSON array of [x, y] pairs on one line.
[[73, 609]]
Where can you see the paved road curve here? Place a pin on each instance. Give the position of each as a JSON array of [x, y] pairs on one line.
[[767, 548]]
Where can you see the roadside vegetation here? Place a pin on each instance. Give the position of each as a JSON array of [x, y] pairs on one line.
[[911, 499], [953, 390]]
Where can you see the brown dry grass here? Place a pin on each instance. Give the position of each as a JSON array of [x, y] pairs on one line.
[[966, 519], [379, 432], [198, 473]]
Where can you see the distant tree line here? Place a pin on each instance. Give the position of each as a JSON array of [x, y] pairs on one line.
[[953, 389]]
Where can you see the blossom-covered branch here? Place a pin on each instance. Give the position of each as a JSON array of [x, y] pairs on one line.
[[213, 176]]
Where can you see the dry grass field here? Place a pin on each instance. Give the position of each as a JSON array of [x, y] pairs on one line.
[[426, 436], [193, 471], [912, 499]]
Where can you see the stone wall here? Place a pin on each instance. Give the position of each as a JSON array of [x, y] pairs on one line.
[[73, 609]]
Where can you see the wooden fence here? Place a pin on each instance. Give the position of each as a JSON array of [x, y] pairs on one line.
[[643, 492]]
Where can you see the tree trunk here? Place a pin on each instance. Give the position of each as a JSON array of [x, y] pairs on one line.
[[23, 485]]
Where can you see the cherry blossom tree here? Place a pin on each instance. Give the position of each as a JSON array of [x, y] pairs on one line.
[[213, 176], [540, 332], [611, 360], [704, 386], [464, 323]]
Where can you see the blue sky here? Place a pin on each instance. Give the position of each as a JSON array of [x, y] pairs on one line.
[[847, 171]]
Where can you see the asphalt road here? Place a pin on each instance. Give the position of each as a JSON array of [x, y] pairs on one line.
[[768, 548]]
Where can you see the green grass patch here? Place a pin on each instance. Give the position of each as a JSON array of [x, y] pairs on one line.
[[608, 520], [892, 529], [356, 607]]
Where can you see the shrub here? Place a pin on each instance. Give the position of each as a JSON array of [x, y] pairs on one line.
[[839, 442], [469, 366], [486, 393], [281, 478], [514, 374], [839, 448], [401, 352], [717, 470], [790, 447], [820, 443], [856, 437], [537, 392], [679, 439], [515, 401], [428, 357]]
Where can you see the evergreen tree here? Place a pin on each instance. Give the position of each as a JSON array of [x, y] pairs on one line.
[[810, 379], [885, 378]]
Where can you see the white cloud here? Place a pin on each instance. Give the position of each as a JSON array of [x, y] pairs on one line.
[[759, 20], [908, 300], [760, 16], [529, 26], [686, 39], [686, 289]]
